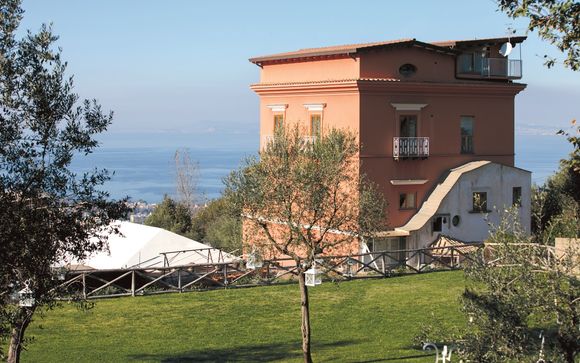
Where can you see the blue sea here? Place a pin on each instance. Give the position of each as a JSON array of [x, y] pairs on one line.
[[148, 173]]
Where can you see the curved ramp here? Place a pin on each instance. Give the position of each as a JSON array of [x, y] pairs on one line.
[[431, 205]]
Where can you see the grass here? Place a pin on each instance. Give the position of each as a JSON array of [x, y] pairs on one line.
[[357, 321]]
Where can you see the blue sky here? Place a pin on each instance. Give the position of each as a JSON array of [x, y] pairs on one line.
[[169, 67]]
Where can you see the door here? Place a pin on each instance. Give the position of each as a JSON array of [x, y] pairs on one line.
[[408, 144], [408, 126]]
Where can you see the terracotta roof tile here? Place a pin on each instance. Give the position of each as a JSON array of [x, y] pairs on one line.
[[327, 81], [332, 50], [454, 43], [444, 46]]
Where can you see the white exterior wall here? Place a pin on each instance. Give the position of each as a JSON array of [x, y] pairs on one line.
[[495, 179]]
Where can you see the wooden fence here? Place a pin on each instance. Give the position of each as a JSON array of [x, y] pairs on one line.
[[92, 284]]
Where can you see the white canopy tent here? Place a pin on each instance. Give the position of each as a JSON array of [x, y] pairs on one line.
[[142, 246]]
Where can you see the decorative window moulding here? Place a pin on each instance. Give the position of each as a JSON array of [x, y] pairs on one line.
[[408, 106]]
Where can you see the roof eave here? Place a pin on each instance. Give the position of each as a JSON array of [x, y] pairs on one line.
[[414, 43], [260, 60], [350, 51], [477, 42]]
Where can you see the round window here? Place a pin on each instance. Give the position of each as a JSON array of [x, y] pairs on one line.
[[407, 70], [456, 220]]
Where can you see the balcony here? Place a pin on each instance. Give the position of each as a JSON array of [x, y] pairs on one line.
[[410, 147], [473, 66]]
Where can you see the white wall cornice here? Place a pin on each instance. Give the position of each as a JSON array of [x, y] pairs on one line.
[[408, 181], [408, 106], [278, 107], [315, 106]]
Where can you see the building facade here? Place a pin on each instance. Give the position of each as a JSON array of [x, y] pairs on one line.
[[420, 111]]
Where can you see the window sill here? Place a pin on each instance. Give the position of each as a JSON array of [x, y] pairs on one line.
[[478, 211]]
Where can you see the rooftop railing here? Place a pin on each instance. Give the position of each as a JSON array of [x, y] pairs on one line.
[[474, 66]]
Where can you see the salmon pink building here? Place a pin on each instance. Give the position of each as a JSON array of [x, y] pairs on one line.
[[435, 124]]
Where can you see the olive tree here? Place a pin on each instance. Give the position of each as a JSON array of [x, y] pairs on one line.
[[48, 214], [303, 199], [516, 289]]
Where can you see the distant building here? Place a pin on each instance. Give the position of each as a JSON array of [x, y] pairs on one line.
[[435, 123], [140, 211]]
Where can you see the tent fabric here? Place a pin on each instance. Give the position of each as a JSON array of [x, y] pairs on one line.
[[140, 246]]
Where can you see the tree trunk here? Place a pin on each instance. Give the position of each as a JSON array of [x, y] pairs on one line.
[[305, 307], [17, 334]]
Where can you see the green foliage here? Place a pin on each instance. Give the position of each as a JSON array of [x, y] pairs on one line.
[[555, 21], [304, 198], [555, 207], [48, 213], [172, 216], [556, 204], [573, 162], [520, 288], [515, 289], [370, 320], [313, 189], [219, 225]]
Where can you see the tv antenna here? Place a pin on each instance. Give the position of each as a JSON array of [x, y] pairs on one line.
[[506, 48]]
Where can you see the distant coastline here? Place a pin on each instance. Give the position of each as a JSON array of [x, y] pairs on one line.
[[148, 173]]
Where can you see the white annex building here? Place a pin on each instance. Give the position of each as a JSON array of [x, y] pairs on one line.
[[141, 246], [463, 205]]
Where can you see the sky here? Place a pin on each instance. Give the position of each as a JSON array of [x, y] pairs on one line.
[[177, 72]]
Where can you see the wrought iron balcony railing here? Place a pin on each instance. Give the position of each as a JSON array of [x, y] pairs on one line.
[[410, 147]]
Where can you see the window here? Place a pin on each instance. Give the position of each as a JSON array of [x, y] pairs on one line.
[[407, 201], [438, 224], [472, 62], [315, 125], [456, 220], [480, 202], [278, 122], [407, 70], [466, 134], [391, 244], [517, 196]]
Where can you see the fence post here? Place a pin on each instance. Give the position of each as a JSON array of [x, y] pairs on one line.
[[226, 275], [452, 258], [84, 286], [383, 261]]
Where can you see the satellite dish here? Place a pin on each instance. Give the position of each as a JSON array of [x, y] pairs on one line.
[[506, 49]]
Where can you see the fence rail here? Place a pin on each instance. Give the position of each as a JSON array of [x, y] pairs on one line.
[[93, 284]]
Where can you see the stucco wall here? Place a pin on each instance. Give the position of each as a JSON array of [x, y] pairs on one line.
[[385, 63], [439, 120], [495, 179], [365, 108], [341, 111], [320, 70]]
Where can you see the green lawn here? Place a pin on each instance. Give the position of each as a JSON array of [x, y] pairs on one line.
[[358, 321]]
